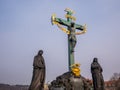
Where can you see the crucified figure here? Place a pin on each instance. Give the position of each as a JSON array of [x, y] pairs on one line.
[[72, 36]]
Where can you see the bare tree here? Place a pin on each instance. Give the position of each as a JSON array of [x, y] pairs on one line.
[[115, 76]]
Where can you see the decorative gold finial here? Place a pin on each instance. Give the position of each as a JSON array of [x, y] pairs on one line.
[[69, 10], [76, 69], [53, 19]]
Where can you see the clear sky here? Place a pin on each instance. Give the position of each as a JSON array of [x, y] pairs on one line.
[[25, 28]]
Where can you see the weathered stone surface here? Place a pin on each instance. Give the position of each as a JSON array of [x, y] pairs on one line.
[[38, 78], [68, 81]]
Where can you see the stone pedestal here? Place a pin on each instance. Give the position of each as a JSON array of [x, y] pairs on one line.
[[57, 88], [68, 81]]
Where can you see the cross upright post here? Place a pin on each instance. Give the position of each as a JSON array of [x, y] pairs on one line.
[[71, 59], [71, 31]]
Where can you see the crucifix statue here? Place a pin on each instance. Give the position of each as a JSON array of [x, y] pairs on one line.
[[70, 31]]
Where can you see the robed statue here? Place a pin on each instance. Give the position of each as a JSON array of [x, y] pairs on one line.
[[96, 70], [38, 78]]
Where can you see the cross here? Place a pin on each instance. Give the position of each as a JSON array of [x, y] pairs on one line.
[[70, 31]]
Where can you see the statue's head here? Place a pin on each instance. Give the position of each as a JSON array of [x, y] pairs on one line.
[[40, 52], [95, 59]]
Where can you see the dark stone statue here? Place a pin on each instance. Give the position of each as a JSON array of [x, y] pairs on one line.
[[38, 78], [96, 70]]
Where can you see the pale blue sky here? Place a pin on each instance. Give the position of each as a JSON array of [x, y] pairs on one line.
[[25, 27]]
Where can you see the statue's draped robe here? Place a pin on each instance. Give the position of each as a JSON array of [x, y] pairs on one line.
[[98, 81], [38, 77]]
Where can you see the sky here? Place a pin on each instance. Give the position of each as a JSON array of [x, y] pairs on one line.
[[25, 28]]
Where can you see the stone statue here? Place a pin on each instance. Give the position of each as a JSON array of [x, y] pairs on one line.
[[38, 78], [96, 70]]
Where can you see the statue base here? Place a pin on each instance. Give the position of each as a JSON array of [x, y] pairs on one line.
[[68, 81]]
